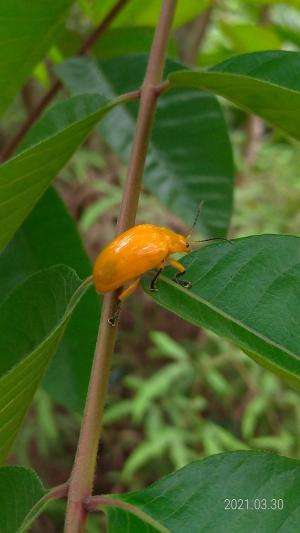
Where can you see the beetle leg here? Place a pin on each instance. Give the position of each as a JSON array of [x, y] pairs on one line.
[[124, 294], [114, 318], [129, 290], [153, 284], [183, 282]]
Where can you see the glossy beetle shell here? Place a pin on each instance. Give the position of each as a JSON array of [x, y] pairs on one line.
[[134, 252]]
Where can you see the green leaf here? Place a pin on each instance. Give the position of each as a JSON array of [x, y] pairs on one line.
[[182, 168], [293, 3], [47, 237], [250, 38], [32, 321], [27, 32], [69, 42], [136, 13], [47, 148], [254, 409], [285, 33], [20, 491], [127, 40], [248, 292], [213, 495], [168, 347], [262, 82]]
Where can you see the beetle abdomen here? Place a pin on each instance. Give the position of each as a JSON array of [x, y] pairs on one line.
[[128, 256]]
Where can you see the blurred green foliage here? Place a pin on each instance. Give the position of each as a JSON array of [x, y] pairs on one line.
[[267, 199], [194, 397], [176, 394]]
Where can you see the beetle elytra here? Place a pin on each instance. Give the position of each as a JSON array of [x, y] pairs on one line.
[[130, 254]]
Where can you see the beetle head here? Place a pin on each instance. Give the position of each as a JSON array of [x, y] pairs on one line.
[[178, 243]]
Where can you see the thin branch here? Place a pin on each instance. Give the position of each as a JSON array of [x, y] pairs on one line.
[[132, 95], [161, 88], [145, 117], [28, 96], [103, 26], [12, 144], [57, 493], [81, 482]]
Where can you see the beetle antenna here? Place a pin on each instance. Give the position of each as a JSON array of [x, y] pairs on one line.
[[196, 219], [214, 239]]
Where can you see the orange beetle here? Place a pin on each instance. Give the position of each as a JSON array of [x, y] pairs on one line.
[[134, 252]]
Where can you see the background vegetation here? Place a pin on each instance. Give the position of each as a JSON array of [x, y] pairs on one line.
[[176, 393]]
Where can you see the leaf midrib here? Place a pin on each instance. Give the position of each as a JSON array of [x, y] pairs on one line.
[[68, 310], [230, 318], [241, 104], [234, 75]]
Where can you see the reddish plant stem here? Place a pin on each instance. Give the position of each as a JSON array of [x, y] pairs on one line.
[[90, 41], [81, 481], [58, 492], [82, 476], [12, 144], [28, 96], [149, 94]]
